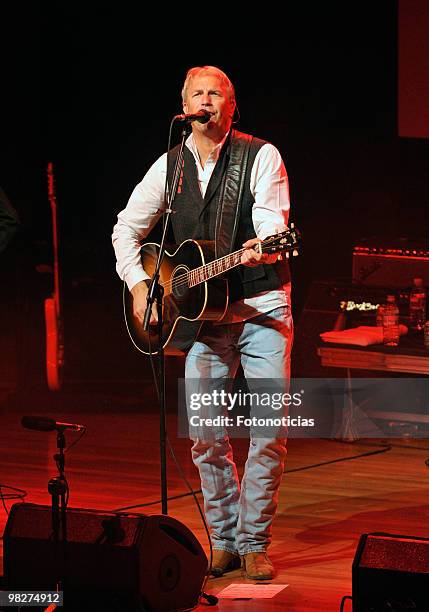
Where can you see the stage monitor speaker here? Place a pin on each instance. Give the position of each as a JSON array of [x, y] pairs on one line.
[[391, 572], [120, 562]]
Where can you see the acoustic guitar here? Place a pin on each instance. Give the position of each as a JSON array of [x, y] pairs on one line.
[[193, 290], [54, 334]]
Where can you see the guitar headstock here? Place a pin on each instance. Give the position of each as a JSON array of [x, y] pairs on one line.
[[286, 242]]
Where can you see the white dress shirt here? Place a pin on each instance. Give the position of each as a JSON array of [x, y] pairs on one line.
[[269, 187]]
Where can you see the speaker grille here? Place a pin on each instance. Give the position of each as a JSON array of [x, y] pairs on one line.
[[83, 526], [396, 553], [391, 572]]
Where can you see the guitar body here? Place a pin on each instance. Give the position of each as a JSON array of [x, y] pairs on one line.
[[184, 308], [193, 289], [54, 357]]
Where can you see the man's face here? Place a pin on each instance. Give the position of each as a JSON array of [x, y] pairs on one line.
[[208, 92]]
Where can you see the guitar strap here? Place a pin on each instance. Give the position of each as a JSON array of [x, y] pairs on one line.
[[231, 193]]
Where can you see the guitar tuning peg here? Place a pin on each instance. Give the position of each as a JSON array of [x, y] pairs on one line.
[[295, 253], [292, 225]]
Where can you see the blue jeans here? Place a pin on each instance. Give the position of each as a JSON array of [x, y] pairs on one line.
[[240, 518]]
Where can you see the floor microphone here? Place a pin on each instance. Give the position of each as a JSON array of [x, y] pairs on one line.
[[40, 423]]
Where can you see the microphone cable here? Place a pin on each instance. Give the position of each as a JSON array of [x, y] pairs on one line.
[[211, 599]]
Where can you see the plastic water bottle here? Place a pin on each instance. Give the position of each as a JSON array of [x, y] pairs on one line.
[[391, 322], [417, 306]]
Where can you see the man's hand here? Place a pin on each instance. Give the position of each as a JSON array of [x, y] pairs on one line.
[[252, 257], [139, 293]]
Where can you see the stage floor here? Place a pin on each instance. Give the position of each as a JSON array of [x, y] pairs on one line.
[[331, 493]]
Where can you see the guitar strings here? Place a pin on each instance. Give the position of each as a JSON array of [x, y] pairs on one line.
[[183, 279]]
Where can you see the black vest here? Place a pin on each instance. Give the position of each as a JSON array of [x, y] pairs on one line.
[[197, 217]]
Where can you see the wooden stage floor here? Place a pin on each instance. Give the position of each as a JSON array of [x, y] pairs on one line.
[[331, 493]]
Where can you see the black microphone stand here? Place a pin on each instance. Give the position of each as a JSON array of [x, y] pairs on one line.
[[155, 292], [58, 488]]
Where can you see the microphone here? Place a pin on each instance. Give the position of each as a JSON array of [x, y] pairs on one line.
[[46, 424], [202, 116]]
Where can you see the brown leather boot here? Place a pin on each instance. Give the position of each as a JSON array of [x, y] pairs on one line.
[[258, 566], [223, 561]]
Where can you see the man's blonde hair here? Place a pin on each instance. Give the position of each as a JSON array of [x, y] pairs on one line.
[[193, 72]]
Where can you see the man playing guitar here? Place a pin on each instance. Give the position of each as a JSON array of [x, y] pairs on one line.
[[234, 192]]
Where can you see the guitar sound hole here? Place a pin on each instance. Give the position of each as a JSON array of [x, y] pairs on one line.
[[180, 282]]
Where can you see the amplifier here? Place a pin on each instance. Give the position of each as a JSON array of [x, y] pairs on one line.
[[395, 265], [335, 304]]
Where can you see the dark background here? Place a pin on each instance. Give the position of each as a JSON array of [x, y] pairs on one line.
[[93, 88]]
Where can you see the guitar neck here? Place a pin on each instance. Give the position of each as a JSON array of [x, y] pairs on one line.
[[214, 268], [287, 241], [53, 202]]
